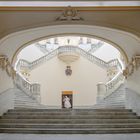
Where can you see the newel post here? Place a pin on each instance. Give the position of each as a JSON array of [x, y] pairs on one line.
[[101, 91]]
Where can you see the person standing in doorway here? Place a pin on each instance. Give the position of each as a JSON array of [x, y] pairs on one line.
[[66, 101]]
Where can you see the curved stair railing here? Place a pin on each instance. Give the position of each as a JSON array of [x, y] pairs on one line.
[[62, 49], [32, 90], [104, 90]]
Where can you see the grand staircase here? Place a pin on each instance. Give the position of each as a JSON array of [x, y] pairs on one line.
[[70, 121], [114, 100], [22, 100]]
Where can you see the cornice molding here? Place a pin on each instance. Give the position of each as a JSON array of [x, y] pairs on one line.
[[56, 9]]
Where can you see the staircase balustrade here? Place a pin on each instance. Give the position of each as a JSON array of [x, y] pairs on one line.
[[33, 90], [72, 49], [105, 90]]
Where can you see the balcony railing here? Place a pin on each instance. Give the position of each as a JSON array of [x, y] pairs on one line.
[[30, 65]]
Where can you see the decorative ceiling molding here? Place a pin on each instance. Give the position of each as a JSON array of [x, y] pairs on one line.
[[80, 3], [69, 14], [58, 9]]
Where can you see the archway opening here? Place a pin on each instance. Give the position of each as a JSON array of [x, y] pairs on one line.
[[69, 63]]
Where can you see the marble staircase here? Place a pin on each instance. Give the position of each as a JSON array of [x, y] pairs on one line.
[[70, 121], [23, 100], [115, 100]]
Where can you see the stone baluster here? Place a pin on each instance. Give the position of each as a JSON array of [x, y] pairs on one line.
[[32, 90]]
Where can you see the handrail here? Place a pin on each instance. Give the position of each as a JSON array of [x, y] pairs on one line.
[[92, 58], [33, 90], [105, 90], [113, 84]]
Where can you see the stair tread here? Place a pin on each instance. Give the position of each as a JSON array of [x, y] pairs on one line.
[[69, 121], [72, 129], [94, 124]]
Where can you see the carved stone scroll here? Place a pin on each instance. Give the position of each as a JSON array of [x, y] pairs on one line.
[[6, 65], [133, 65]]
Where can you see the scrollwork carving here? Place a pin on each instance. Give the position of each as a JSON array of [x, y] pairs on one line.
[[69, 14], [6, 65], [133, 65]]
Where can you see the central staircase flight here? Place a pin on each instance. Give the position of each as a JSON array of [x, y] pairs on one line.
[[70, 121]]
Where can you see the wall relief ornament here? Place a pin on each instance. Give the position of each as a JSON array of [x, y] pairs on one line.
[[68, 71], [133, 65], [6, 65], [69, 14]]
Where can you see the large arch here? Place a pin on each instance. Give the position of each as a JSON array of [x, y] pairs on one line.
[[123, 53], [119, 39], [126, 42]]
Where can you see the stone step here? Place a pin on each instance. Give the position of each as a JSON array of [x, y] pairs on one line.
[[104, 105], [26, 104], [110, 106], [70, 113], [69, 116], [115, 100], [70, 131], [24, 100], [30, 107], [70, 110], [18, 125], [70, 121]]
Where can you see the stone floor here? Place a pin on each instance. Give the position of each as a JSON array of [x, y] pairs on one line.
[[70, 137]]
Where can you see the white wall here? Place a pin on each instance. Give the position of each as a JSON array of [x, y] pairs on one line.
[[133, 101], [6, 100], [83, 81], [5, 81], [133, 82]]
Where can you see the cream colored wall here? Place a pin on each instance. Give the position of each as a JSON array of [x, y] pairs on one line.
[[5, 81], [133, 82], [83, 81]]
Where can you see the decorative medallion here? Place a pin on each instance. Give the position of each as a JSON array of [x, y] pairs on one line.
[[68, 71], [69, 14]]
